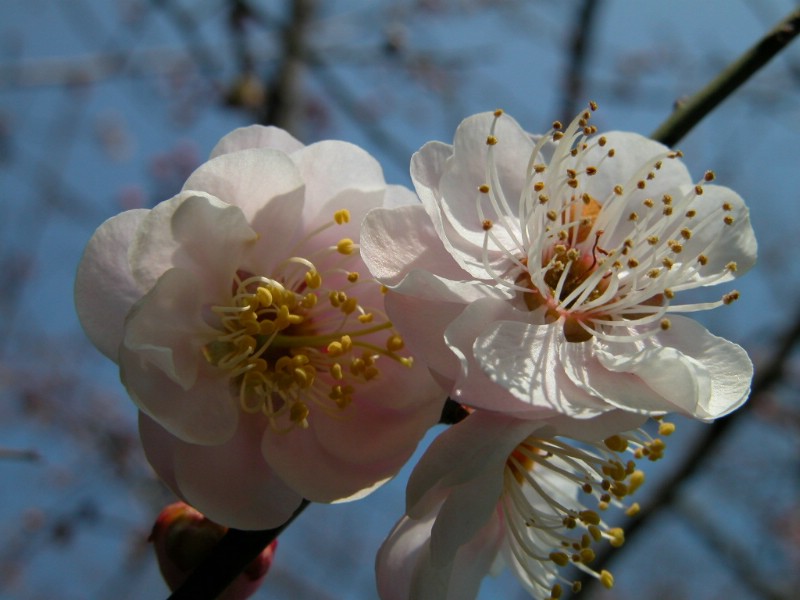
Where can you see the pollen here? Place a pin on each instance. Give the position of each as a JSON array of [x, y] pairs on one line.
[[289, 357], [491, 140], [342, 216]]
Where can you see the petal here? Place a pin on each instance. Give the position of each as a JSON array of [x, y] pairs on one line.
[[397, 241], [203, 414], [474, 385], [620, 389], [191, 230], [365, 445], [248, 179], [721, 243], [727, 364], [331, 167], [105, 289], [481, 442], [230, 483], [166, 326], [404, 570], [257, 136]]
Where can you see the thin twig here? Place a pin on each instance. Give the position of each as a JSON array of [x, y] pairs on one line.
[[690, 113]]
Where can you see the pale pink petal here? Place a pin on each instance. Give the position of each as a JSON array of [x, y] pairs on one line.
[[257, 136], [722, 243], [105, 289], [331, 167], [397, 241], [405, 572], [248, 179], [727, 364], [366, 444], [620, 389], [166, 326], [524, 359], [203, 414], [229, 483], [481, 442]]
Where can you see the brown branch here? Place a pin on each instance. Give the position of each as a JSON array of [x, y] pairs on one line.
[[580, 43]]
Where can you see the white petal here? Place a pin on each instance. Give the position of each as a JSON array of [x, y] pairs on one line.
[[397, 241], [331, 167], [105, 289], [166, 326], [256, 136], [230, 483], [524, 359], [248, 179], [399, 195], [203, 414], [727, 364]]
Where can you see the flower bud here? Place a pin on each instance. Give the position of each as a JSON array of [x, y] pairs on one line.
[[183, 538]]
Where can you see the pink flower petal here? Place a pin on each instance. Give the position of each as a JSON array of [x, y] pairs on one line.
[[105, 289]]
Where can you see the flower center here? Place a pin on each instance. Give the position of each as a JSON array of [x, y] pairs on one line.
[[548, 523], [604, 265], [301, 338]]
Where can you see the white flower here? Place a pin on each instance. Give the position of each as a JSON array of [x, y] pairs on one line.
[[494, 489], [250, 335], [552, 268]]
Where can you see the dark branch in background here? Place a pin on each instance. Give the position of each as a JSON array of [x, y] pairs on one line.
[[580, 42], [283, 93], [230, 556], [703, 449], [691, 112]]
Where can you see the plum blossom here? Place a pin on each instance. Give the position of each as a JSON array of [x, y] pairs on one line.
[[495, 490], [250, 335], [544, 275]]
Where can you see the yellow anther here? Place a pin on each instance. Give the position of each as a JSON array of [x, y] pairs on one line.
[[595, 532], [641, 184], [366, 318], [538, 186], [395, 343], [352, 277], [335, 349], [560, 558], [341, 216], [487, 224], [665, 324], [666, 429], [727, 206], [587, 555], [616, 443], [698, 189], [709, 176], [633, 509], [384, 289], [607, 579], [617, 537], [349, 306], [371, 373], [309, 300], [731, 266], [491, 140], [299, 413], [336, 371], [483, 189], [589, 517], [618, 190], [591, 171], [728, 220], [267, 327], [498, 113], [555, 592], [264, 296], [636, 481], [345, 246]]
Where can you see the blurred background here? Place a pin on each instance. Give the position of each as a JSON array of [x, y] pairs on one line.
[[107, 105]]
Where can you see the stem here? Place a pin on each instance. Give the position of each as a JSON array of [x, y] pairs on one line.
[[691, 112], [230, 556]]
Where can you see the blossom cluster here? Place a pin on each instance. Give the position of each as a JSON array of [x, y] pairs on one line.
[[289, 327]]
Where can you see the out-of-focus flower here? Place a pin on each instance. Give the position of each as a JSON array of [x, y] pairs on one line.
[[496, 490], [250, 335], [552, 267], [183, 538]]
